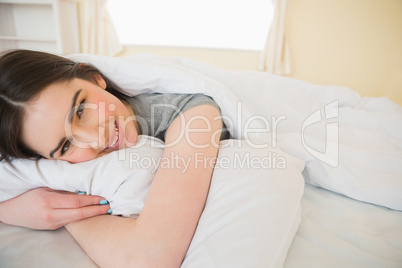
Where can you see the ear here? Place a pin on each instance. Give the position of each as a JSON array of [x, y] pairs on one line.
[[100, 81]]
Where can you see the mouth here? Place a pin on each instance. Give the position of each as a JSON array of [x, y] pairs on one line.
[[115, 143], [116, 135]]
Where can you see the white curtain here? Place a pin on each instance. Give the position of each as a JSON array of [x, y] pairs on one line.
[[98, 35], [275, 57]]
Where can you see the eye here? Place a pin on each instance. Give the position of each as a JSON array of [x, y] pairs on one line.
[[80, 108], [65, 147]]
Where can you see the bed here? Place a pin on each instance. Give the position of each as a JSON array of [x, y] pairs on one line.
[[336, 202], [335, 231]]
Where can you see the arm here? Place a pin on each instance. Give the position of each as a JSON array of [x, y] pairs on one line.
[[44, 208], [162, 233]]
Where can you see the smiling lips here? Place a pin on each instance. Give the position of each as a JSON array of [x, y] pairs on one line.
[[116, 138], [116, 135]]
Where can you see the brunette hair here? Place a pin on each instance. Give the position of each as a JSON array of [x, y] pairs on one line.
[[23, 75]]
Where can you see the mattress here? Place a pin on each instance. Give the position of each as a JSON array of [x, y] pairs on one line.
[[335, 231]]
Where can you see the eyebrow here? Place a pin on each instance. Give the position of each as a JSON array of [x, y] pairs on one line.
[[70, 120]]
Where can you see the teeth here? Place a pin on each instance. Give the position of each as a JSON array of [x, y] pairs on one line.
[[116, 136]]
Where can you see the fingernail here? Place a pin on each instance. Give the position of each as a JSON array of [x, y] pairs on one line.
[[82, 192], [103, 202], [110, 211]]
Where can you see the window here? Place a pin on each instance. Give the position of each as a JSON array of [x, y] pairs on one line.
[[230, 24]]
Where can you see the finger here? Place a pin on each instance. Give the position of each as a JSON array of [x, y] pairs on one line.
[[66, 216], [66, 192], [58, 191], [76, 201]]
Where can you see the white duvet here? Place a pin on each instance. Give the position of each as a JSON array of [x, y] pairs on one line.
[[350, 145], [347, 144]]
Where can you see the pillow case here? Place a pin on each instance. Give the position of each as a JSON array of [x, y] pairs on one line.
[[252, 211]]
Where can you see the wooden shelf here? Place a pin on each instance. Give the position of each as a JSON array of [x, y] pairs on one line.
[[47, 25], [28, 39]]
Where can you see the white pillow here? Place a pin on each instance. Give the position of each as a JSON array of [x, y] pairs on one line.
[[253, 207]]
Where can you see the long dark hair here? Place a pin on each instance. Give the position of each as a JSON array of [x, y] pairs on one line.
[[23, 75]]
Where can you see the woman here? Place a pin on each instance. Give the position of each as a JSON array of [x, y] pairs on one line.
[[54, 108]]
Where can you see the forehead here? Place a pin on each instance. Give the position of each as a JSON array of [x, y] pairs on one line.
[[45, 117], [51, 92]]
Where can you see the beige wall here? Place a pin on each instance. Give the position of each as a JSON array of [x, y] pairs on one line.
[[353, 43], [225, 58]]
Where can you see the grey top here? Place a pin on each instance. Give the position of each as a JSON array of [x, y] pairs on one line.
[[155, 111]]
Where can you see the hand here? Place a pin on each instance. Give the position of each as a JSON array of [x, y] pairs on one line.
[[44, 208]]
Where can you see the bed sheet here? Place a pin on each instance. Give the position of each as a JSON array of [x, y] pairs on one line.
[[337, 231], [22, 247]]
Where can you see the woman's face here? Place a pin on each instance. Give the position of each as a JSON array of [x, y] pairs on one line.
[[77, 121]]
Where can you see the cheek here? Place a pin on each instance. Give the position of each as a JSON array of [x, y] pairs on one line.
[[110, 112]]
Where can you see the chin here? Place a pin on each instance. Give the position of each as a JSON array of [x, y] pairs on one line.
[[83, 159]]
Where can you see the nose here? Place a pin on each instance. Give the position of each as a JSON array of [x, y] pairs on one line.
[[88, 135]]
